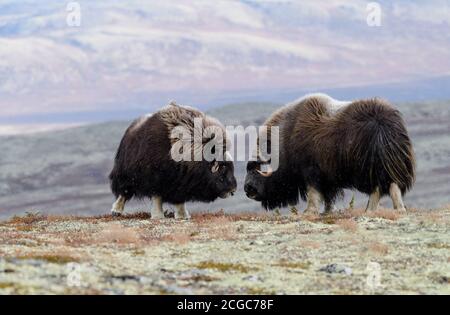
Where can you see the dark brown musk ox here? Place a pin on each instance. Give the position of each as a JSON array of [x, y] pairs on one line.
[[327, 146], [145, 165]]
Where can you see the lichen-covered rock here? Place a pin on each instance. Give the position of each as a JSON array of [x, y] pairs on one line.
[[378, 253]]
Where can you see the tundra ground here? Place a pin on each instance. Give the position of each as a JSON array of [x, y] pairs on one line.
[[350, 252]]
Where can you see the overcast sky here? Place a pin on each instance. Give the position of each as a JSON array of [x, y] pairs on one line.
[[126, 53]]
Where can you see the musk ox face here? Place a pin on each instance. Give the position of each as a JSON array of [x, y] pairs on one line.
[[259, 178], [274, 188], [222, 178]]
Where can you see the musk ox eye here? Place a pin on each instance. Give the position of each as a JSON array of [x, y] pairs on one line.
[[265, 170]]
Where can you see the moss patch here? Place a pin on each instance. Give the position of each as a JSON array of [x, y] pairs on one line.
[[438, 245], [6, 285], [260, 291], [293, 265], [54, 259], [224, 267]]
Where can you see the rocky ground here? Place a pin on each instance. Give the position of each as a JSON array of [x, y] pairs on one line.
[[351, 252]]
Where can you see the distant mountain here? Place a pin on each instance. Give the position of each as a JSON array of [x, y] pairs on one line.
[[66, 171], [133, 56], [436, 89]]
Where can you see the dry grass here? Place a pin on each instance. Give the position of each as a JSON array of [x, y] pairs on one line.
[[222, 228], [224, 267], [438, 245], [333, 218], [200, 217], [31, 218], [309, 244], [178, 237], [55, 257], [27, 219], [24, 228], [204, 217], [348, 225], [215, 226], [292, 265], [388, 214], [260, 291], [116, 233], [434, 217], [123, 217], [378, 248], [356, 212], [7, 285]]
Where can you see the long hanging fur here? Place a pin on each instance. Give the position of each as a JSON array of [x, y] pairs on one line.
[[358, 145], [143, 166]]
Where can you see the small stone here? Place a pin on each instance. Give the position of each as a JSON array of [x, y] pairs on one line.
[[335, 268], [252, 278]]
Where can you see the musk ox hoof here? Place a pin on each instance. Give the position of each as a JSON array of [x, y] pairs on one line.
[[311, 211], [186, 217], [116, 214]]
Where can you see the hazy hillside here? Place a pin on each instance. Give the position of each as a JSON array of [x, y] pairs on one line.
[[66, 171]]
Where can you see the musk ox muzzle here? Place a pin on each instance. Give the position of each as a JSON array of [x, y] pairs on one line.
[[252, 189]]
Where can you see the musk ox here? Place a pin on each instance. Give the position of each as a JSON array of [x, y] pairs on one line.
[[145, 165], [326, 146]]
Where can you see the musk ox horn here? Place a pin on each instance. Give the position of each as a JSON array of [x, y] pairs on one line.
[[215, 167], [268, 172]]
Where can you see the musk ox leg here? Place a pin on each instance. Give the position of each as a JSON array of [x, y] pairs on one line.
[[374, 200], [157, 210], [181, 212], [118, 206], [313, 201], [329, 207], [396, 195]]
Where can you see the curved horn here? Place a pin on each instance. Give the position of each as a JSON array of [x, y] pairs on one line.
[[215, 167], [266, 173]]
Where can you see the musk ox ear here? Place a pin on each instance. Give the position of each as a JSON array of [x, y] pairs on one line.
[[266, 170], [215, 167]]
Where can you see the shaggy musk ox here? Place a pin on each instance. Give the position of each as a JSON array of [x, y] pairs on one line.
[[327, 146], [144, 164]]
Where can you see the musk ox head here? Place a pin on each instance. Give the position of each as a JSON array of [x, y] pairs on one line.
[[222, 178], [199, 148], [270, 178], [273, 188], [207, 181], [259, 176]]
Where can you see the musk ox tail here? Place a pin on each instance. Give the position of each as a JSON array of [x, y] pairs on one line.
[[121, 184], [382, 148]]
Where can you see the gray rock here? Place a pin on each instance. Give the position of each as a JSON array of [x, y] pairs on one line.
[[336, 268]]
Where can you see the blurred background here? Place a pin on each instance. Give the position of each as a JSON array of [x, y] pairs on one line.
[[74, 74]]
